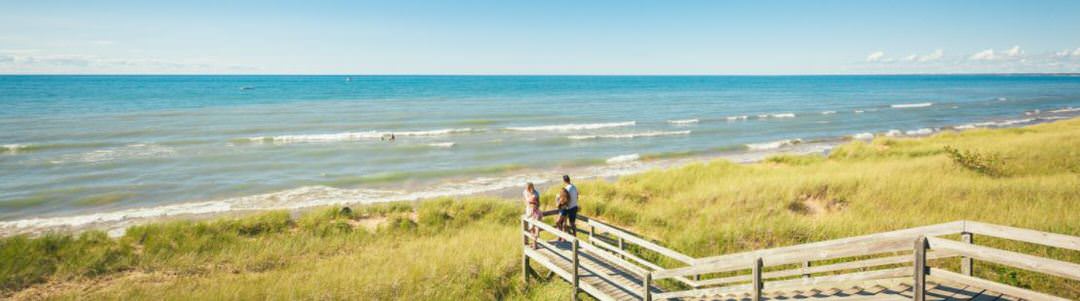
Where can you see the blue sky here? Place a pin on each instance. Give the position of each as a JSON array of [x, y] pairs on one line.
[[539, 37]]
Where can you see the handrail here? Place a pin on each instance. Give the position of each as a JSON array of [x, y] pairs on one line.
[[929, 246], [1013, 259]]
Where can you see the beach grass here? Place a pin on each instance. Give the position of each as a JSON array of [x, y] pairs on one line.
[[469, 248]]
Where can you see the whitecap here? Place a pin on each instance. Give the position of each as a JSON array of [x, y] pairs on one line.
[[628, 136], [130, 151], [893, 133], [828, 112], [773, 145], [739, 117], [863, 136], [683, 121], [911, 105], [354, 136], [623, 159], [1065, 110], [572, 126], [442, 144], [919, 132], [859, 111]]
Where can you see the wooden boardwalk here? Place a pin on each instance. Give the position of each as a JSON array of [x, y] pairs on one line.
[[605, 262]]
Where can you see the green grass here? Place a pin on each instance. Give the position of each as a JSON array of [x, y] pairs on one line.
[[468, 249]]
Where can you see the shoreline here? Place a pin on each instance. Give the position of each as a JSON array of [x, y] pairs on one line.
[[302, 199]]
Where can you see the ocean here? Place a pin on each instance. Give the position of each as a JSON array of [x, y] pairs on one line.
[[84, 150]]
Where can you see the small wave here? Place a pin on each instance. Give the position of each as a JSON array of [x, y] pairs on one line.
[[623, 159], [828, 112], [779, 115], [739, 117], [683, 121], [858, 111], [354, 136], [628, 136], [773, 145], [893, 133], [16, 148], [130, 151], [1003, 123], [1064, 110], [919, 132], [911, 105], [572, 127], [442, 144], [863, 136]]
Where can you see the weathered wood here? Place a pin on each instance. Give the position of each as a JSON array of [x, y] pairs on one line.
[[525, 269], [905, 234], [1025, 235], [646, 282], [946, 275], [832, 280], [575, 270], [966, 262], [649, 265], [758, 285], [1018, 260], [597, 251], [806, 268], [642, 242], [919, 291], [827, 268], [550, 229]]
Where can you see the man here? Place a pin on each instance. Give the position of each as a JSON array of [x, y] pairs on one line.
[[572, 206]]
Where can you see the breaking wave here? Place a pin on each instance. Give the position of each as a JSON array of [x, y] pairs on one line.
[[572, 127], [628, 136], [911, 105], [773, 145], [683, 121], [623, 159], [354, 136]]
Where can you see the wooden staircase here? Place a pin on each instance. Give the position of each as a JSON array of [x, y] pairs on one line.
[[604, 262]]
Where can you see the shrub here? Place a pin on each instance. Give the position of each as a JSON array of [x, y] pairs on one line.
[[987, 164]]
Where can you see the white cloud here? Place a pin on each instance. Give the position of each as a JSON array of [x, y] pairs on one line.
[[1014, 52], [933, 56], [984, 55], [1068, 53], [875, 56], [910, 58], [37, 62]]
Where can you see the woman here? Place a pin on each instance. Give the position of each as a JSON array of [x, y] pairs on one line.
[[563, 199], [532, 209]]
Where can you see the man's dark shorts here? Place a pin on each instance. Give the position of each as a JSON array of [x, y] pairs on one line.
[[571, 214]]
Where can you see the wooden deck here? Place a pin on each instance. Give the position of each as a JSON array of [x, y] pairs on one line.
[[603, 261]]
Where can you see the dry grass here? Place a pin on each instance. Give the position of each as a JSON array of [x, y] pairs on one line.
[[467, 249]]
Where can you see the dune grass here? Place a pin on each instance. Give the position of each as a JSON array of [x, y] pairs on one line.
[[468, 248]]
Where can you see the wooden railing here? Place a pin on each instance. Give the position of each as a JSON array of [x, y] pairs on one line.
[[887, 255]]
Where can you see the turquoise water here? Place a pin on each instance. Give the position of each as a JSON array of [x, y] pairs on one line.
[[79, 145]]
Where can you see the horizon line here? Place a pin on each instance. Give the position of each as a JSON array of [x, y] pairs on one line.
[[537, 74]]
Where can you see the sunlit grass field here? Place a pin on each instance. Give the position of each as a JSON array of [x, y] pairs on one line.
[[469, 248]]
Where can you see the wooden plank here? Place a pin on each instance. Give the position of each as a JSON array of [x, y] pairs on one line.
[[623, 264], [758, 285], [910, 234], [627, 237], [649, 265], [1019, 260], [575, 273], [594, 287], [966, 263], [550, 229], [920, 269], [839, 279], [838, 248], [1025, 235], [946, 275], [828, 268]]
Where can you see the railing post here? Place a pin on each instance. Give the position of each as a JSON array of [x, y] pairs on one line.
[[646, 281], [919, 291], [592, 232], [806, 266], [622, 246], [524, 256], [966, 263], [575, 258], [758, 284]]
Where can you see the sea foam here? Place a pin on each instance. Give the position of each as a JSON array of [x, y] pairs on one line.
[[863, 136], [773, 144], [628, 136], [572, 127], [683, 121], [911, 105], [623, 159], [354, 136]]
